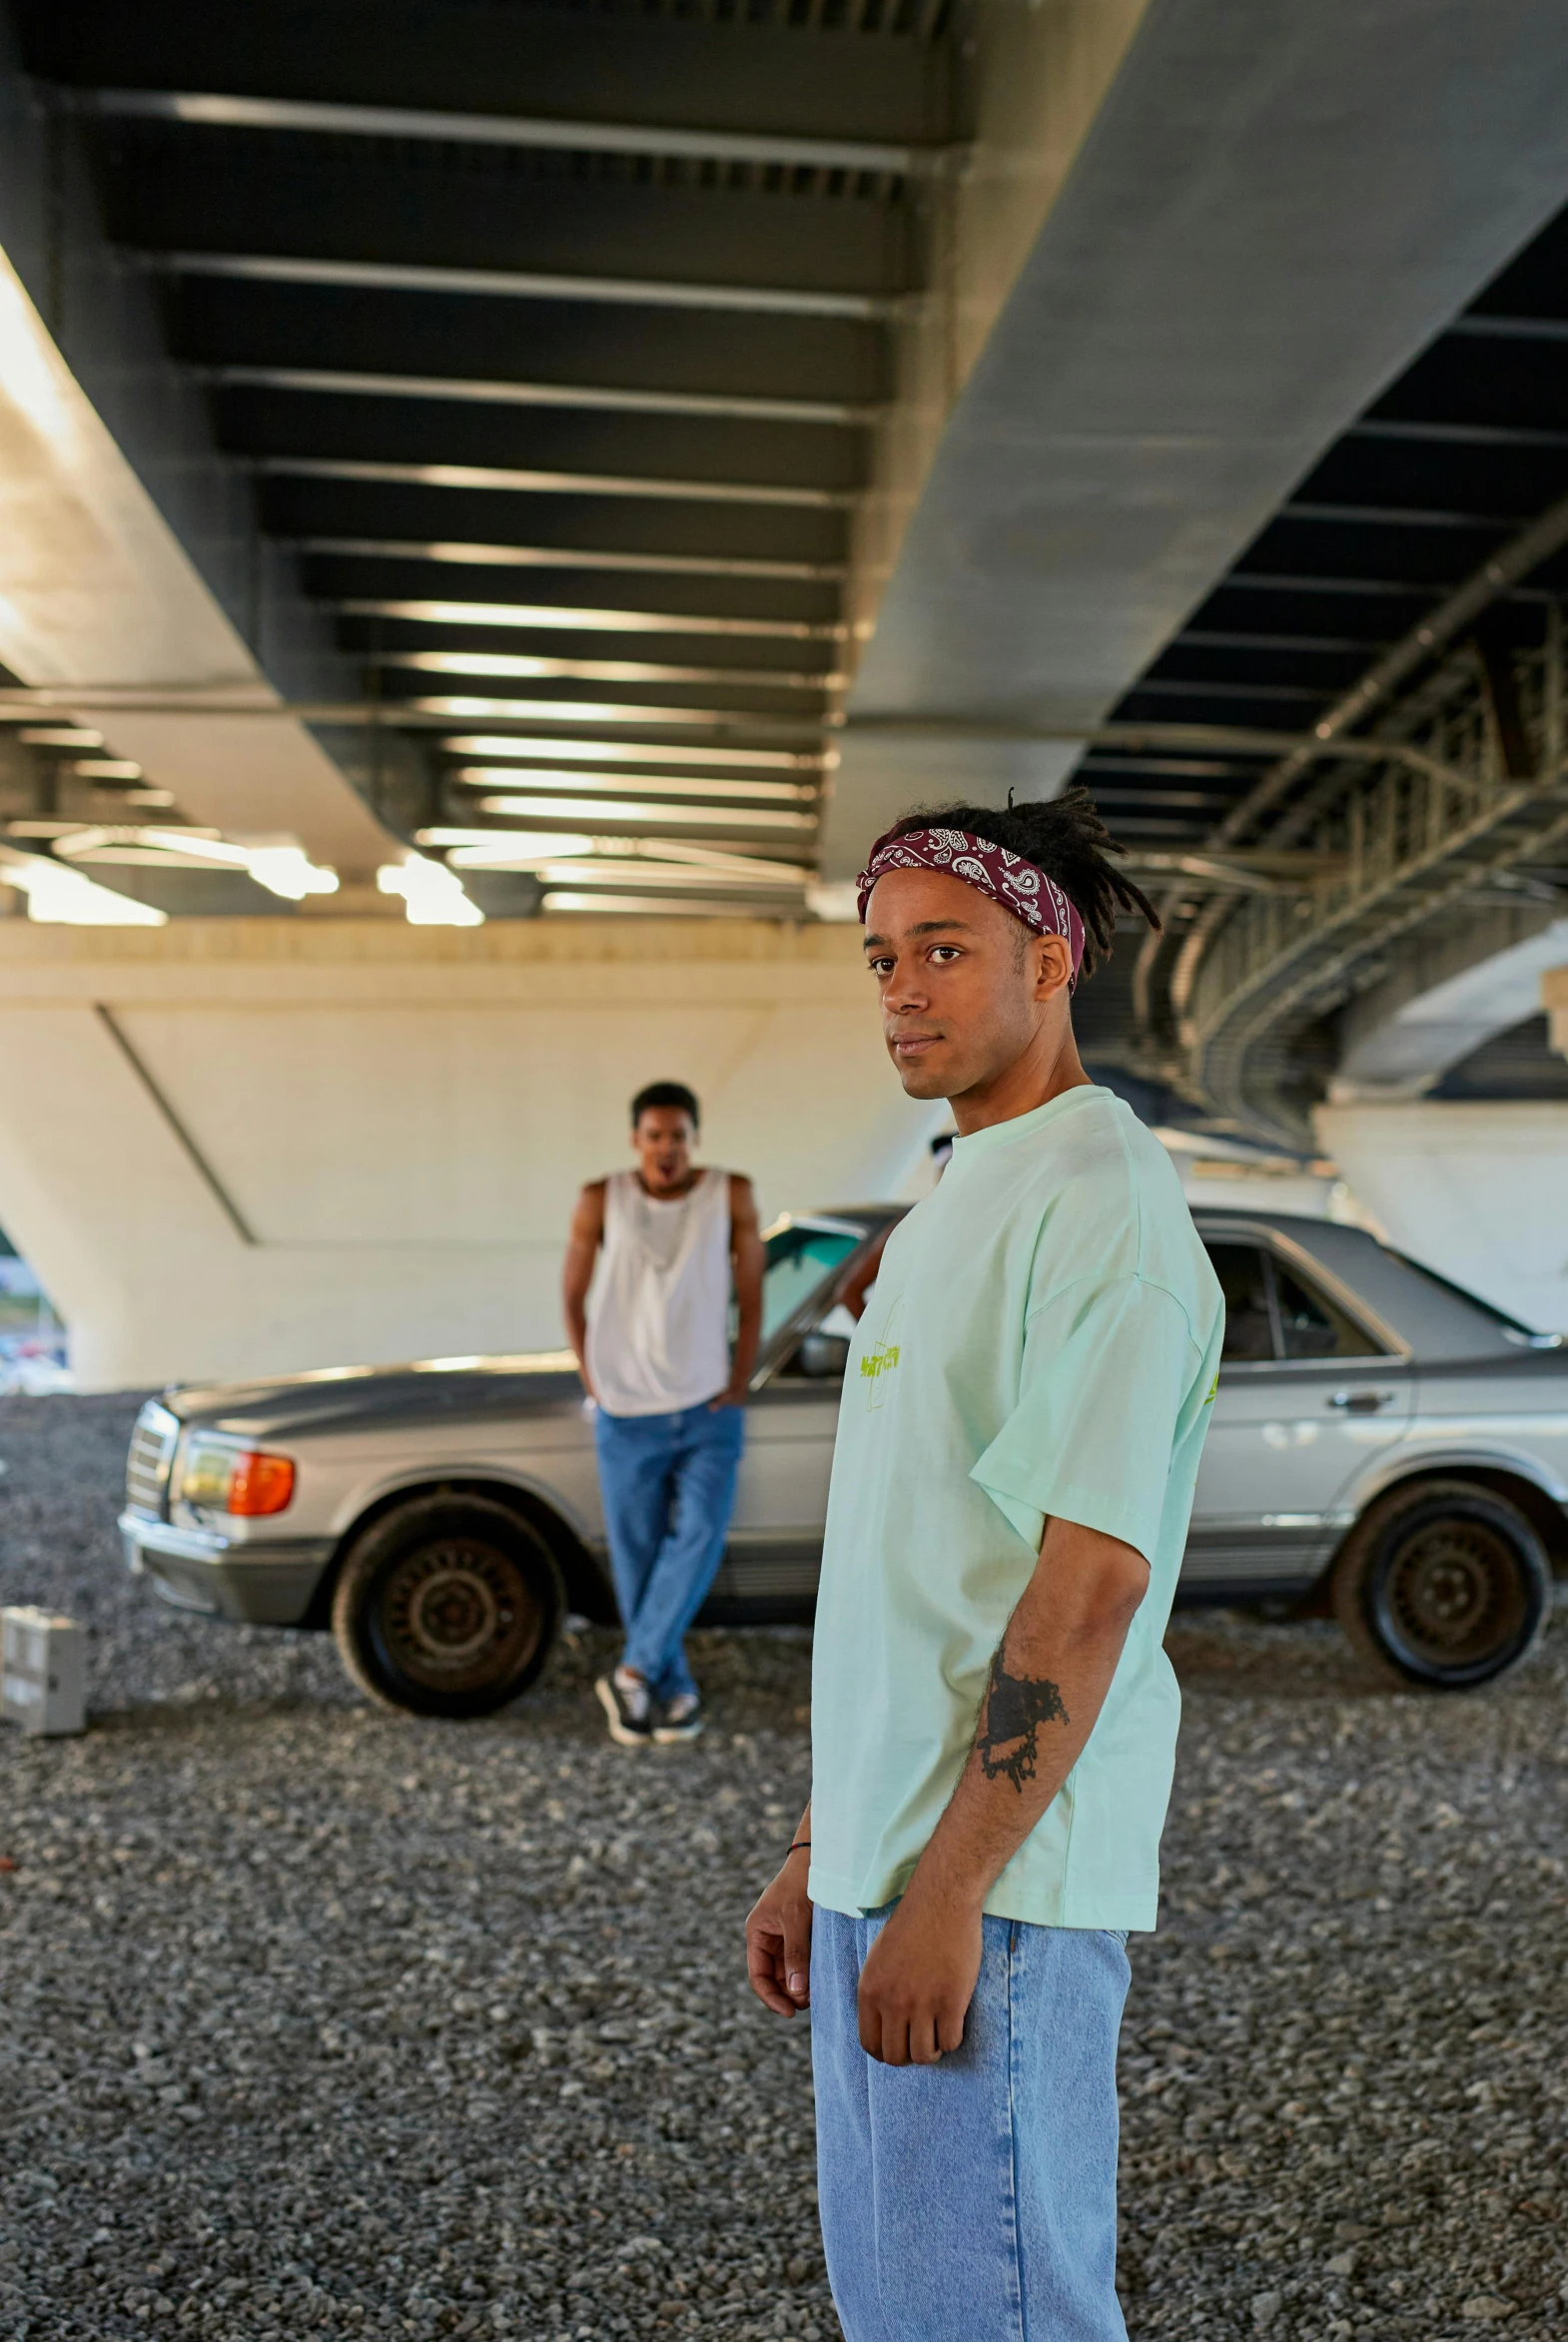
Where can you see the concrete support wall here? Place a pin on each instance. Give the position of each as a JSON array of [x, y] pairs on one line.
[[237, 1147], [1478, 1192]]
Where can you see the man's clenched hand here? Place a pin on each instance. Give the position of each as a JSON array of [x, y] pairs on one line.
[[778, 1939], [918, 1979]]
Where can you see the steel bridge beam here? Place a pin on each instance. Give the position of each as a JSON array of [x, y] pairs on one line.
[[216, 322], [230, 192], [764, 82], [1235, 991]]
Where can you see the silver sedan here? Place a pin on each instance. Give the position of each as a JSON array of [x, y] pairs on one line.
[[1383, 1445]]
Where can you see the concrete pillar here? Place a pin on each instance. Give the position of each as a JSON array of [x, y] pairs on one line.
[[1480, 1193], [237, 1147]]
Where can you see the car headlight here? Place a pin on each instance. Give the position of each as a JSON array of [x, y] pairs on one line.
[[221, 1478]]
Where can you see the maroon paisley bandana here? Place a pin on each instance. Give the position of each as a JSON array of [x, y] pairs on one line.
[[990, 870]]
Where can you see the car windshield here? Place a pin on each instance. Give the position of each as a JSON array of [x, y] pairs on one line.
[[799, 1261]]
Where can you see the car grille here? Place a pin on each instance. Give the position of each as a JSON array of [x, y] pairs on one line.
[[146, 1465]]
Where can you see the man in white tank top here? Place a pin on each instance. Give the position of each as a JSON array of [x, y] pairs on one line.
[[670, 1244]]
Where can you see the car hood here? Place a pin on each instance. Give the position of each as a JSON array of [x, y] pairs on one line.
[[336, 1398]]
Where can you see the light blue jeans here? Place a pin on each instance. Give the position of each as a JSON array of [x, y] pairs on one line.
[[668, 1485], [975, 2201]]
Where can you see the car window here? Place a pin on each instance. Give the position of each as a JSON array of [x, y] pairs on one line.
[[1242, 1270], [1528, 1336], [1310, 1324], [822, 1353], [817, 1357], [1274, 1312], [799, 1261]]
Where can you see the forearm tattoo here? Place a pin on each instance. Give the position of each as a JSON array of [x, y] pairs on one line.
[[1016, 1706]]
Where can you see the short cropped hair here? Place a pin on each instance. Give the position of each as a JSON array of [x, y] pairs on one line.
[[673, 1094]]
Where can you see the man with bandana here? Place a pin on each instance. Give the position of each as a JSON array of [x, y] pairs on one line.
[[994, 1718]]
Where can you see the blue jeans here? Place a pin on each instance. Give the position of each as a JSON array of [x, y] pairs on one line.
[[975, 2201], [669, 1484]]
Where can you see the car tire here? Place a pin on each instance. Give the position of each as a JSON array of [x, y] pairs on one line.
[[1444, 1585], [447, 1606]]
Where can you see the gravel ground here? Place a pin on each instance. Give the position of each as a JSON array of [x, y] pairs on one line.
[[321, 2022]]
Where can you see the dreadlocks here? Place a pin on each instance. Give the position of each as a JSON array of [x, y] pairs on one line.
[[1066, 839]]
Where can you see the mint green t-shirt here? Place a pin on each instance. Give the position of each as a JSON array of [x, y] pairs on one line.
[[1043, 1339]]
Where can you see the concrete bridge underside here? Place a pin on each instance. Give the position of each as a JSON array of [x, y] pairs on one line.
[[613, 469]]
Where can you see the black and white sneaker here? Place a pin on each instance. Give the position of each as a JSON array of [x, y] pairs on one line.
[[628, 1708], [680, 1719]]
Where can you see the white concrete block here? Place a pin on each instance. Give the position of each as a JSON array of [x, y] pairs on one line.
[[42, 1671]]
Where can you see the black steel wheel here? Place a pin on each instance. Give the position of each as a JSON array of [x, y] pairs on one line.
[[1443, 1584], [447, 1606]]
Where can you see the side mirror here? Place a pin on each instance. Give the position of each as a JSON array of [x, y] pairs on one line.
[[822, 1357]]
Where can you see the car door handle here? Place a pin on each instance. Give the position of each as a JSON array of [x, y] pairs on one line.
[[1360, 1403]]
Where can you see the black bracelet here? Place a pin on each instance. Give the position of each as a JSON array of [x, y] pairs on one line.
[[800, 1843]]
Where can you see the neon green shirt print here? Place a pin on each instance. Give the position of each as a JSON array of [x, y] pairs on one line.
[[880, 1358], [1042, 1340]]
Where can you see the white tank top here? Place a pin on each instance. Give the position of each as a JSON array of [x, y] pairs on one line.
[[658, 1320]]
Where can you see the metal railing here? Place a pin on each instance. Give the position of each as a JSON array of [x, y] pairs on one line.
[[1470, 788]]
